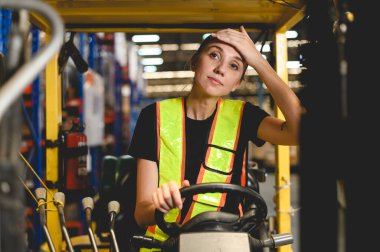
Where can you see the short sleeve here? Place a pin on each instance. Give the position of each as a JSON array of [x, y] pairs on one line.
[[144, 143], [253, 115]]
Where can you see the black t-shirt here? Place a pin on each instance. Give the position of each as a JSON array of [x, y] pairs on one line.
[[144, 143]]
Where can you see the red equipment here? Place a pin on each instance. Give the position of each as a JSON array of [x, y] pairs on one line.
[[74, 157]]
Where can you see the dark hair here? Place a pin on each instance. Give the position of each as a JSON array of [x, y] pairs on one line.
[[204, 43]]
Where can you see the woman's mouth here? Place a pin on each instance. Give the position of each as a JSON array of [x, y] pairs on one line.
[[214, 80]]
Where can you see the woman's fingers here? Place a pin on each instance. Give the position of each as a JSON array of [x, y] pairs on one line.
[[156, 203], [166, 193], [241, 41], [161, 201], [185, 183], [167, 197], [176, 195], [229, 36], [242, 29]]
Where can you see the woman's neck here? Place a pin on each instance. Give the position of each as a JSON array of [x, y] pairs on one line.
[[200, 108]]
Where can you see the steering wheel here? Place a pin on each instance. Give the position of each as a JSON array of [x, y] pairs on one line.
[[217, 221]]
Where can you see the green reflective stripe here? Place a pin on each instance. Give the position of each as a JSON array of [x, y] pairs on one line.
[[220, 160], [228, 118], [171, 128], [172, 215], [149, 250], [201, 208], [171, 140], [211, 198], [159, 234]]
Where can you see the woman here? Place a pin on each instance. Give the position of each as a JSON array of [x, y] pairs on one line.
[[202, 137]]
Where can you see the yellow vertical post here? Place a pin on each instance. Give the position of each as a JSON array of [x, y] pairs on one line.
[[282, 152], [53, 121]]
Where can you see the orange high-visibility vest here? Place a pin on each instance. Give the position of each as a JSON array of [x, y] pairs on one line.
[[220, 154]]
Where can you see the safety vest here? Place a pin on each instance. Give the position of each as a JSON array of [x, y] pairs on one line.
[[219, 159]]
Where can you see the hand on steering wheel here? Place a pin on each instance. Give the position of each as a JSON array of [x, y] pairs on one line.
[[168, 196], [217, 221]]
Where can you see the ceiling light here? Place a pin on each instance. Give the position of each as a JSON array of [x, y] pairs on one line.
[[293, 64], [150, 69], [152, 61], [169, 88], [265, 49], [190, 47], [145, 38], [169, 75], [149, 46], [150, 51], [291, 34], [169, 47]]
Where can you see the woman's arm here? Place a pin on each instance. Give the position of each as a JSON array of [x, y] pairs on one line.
[[147, 177], [271, 129], [150, 197]]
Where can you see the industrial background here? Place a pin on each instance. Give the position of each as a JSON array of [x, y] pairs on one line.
[[75, 75]]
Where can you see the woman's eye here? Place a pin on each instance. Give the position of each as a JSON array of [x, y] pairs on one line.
[[234, 67], [214, 55]]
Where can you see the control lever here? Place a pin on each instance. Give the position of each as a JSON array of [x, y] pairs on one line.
[[113, 210], [88, 206], [41, 197], [60, 196]]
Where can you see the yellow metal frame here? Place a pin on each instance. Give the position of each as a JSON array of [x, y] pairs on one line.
[[53, 121], [283, 199], [282, 152], [53, 92]]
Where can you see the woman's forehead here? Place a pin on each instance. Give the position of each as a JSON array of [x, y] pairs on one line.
[[225, 47]]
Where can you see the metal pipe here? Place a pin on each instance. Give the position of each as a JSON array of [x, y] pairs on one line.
[[15, 85]]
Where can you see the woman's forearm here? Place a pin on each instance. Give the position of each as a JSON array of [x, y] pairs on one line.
[[147, 177], [282, 94], [144, 214]]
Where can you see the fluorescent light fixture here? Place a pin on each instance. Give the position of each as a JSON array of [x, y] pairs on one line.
[[148, 46], [293, 64], [169, 47], [163, 47], [150, 69], [169, 88], [150, 51], [173, 47], [296, 43], [291, 34], [152, 61], [190, 47], [169, 75], [145, 38], [265, 49]]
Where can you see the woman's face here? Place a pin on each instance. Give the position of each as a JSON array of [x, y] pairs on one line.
[[218, 69]]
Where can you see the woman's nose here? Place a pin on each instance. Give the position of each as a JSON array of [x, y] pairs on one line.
[[220, 68]]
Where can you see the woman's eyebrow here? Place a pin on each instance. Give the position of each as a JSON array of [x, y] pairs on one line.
[[235, 57]]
